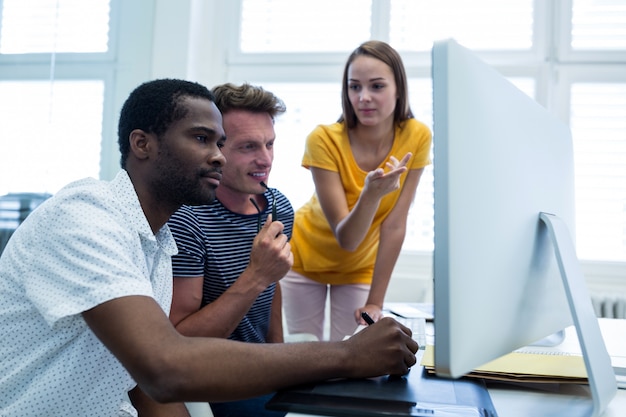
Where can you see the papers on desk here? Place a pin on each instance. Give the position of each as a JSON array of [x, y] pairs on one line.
[[562, 363], [525, 367], [411, 310]]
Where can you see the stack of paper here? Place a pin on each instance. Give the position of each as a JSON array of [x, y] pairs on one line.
[[525, 367]]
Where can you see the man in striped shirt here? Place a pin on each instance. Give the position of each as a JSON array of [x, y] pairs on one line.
[[232, 252]]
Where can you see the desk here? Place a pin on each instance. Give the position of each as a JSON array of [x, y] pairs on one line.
[[517, 400]]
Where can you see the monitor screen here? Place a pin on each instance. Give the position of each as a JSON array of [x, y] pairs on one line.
[[500, 159]]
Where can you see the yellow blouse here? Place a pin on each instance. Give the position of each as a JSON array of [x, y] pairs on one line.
[[317, 254]]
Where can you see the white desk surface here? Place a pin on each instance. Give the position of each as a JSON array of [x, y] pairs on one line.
[[526, 402], [550, 400]]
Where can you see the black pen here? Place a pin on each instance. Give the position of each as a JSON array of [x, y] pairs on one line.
[[367, 318]]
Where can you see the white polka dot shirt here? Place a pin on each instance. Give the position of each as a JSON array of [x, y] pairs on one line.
[[88, 244]]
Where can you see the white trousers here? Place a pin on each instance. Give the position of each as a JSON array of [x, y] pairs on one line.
[[304, 304]]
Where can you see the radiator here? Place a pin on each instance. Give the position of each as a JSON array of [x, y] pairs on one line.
[[609, 305]]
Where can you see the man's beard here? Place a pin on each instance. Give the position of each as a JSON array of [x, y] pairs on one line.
[[179, 187]]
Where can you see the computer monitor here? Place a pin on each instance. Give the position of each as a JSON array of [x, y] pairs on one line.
[[503, 182]]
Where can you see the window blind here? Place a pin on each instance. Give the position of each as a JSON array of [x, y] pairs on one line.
[[303, 26], [39, 26], [50, 128], [599, 25], [50, 133], [598, 123], [414, 25]]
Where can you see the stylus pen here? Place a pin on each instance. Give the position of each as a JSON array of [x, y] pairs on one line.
[[367, 318]]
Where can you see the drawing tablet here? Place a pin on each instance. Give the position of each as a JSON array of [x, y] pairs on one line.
[[416, 394]]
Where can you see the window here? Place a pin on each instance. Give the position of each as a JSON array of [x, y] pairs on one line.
[[518, 38], [63, 77], [67, 112], [51, 107], [599, 132], [294, 26], [569, 55], [599, 25], [414, 25], [51, 26]]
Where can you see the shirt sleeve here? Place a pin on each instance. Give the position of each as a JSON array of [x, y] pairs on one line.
[[419, 134], [323, 148], [192, 254]]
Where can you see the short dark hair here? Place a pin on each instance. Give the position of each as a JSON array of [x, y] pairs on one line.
[[247, 97], [154, 106], [385, 53]]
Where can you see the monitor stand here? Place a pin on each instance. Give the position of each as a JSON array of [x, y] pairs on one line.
[[602, 383]]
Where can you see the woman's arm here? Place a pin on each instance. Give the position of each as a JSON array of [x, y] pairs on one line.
[[350, 226], [392, 232]]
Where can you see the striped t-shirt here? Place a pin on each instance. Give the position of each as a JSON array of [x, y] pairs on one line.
[[215, 243]]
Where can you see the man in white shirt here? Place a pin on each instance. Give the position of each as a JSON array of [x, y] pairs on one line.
[[85, 285]]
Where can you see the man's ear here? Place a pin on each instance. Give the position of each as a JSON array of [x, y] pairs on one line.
[[140, 143]]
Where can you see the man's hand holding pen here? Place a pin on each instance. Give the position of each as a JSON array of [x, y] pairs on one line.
[[270, 257], [370, 321], [389, 343]]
